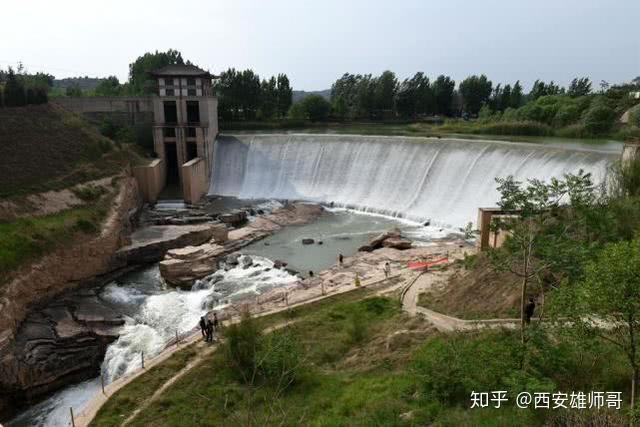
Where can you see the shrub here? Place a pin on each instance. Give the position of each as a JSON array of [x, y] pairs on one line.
[[86, 226], [88, 193], [280, 358], [241, 347], [599, 119], [634, 116]]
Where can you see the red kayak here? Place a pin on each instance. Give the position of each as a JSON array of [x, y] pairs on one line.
[[423, 265]]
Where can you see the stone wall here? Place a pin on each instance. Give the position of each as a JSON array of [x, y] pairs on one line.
[[66, 267], [151, 179], [194, 180]]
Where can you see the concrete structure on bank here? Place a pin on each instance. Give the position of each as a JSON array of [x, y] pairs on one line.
[[489, 236], [183, 116]]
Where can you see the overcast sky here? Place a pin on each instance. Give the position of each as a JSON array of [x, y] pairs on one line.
[[316, 41]]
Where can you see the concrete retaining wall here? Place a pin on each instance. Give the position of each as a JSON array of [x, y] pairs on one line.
[[151, 179], [194, 180]]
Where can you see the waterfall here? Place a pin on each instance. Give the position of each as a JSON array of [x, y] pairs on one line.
[[445, 180]]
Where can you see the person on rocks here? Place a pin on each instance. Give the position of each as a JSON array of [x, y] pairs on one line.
[[209, 330], [340, 259], [357, 280], [310, 273], [528, 310], [215, 321], [203, 327], [387, 270]]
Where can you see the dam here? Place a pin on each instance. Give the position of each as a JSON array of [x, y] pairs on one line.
[[398, 181], [443, 181]]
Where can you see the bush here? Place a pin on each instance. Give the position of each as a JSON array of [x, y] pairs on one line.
[[279, 358], [241, 347], [86, 226], [313, 107], [634, 116], [88, 193], [599, 119]]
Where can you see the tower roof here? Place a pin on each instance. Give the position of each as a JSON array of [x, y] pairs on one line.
[[181, 70]]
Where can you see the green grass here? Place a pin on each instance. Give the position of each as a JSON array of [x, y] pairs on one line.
[[352, 375], [127, 399], [24, 240]]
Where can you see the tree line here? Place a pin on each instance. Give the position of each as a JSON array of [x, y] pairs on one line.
[[19, 88]]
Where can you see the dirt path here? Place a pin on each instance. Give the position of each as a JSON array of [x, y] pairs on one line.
[[442, 322]]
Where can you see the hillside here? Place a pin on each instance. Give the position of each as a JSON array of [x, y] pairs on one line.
[[43, 147], [299, 95]]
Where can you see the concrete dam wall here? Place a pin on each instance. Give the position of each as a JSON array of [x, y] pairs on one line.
[[444, 180]]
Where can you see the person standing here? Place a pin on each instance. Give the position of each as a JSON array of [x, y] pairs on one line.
[[528, 310], [340, 259], [215, 321], [387, 270], [357, 280], [209, 330], [203, 327]]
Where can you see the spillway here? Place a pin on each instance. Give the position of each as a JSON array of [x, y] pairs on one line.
[[444, 180]]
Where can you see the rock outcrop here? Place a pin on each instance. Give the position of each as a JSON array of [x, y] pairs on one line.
[[181, 267], [61, 342], [150, 244], [390, 239]]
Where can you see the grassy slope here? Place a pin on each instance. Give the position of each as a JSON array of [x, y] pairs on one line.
[[47, 148], [355, 375], [44, 147]]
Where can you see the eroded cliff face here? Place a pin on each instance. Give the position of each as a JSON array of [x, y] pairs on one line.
[[39, 349]]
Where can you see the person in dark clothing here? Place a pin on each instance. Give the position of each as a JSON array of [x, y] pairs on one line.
[[340, 259], [528, 310], [203, 327], [310, 273], [209, 330]]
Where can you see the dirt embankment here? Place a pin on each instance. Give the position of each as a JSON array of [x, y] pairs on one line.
[[66, 266], [475, 293]]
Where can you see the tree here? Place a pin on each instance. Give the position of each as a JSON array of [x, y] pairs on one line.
[[313, 107], [385, 90], [535, 207], [284, 94], [139, 78], [540, 89], [14, 92], [415, 97], [268, 98], [579, 87], [505, 98], [344, 94], [73, 90], [109, 87], [610, 296], [516, 95], [443, 89], [475, 91]]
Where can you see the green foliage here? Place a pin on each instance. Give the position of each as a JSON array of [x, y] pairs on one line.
[[634, 116], [109, 87], [73, 90], [140, 81], [541, 88], [475, 91], [415, 97], [579, 87], [241, 348], [313, 107], [88, 193], [599, 119]]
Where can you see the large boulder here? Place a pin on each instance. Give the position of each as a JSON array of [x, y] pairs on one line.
[[378, 241], [181, 267], [234, 218], [308, 241], [397, 243]]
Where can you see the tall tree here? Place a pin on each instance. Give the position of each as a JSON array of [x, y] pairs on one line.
[[284, 94], [344, 95], [516, 95], [386, 87], [14, 92], [443, 89], [415, 96], [505, 99], [139, 79], [268, 98], [475, 91], [579, 87]]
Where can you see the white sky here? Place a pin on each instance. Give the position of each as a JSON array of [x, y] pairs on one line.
[[316, 41]]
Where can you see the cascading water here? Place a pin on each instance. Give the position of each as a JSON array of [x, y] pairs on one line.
[[154, 313], [445, 180]]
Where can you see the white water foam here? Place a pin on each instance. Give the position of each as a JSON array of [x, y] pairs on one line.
[[419, 179]]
